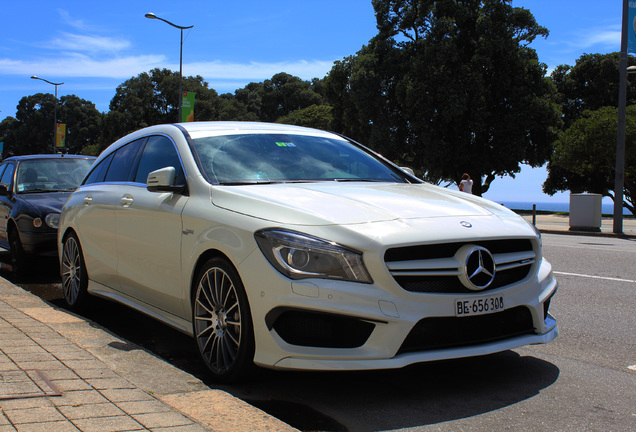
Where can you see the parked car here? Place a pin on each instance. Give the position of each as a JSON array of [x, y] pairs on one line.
[[33, 189], [293, 248]]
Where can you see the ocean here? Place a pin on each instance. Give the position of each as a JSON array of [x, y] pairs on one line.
[[606, 208]]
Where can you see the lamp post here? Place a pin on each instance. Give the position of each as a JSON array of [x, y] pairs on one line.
[[54, 107], [181, 28]]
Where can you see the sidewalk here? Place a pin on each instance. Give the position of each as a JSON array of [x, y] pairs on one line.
[[59, 372], [560, 224]]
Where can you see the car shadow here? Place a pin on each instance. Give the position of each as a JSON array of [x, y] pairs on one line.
[[418, 395]]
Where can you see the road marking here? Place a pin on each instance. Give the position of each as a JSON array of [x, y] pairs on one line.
[[595, 277]]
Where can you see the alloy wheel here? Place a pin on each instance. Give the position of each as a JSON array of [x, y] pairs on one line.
[[218, 320]]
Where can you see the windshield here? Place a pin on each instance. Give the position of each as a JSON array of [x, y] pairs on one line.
[[267, 158], [50, 175]]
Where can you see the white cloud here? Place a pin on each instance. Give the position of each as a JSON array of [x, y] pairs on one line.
[[87, 43], [75, 23], [80, 65], [607, 38], [258, 71]]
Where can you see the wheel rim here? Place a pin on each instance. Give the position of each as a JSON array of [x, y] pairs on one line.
[[71, 270], [217, 320]]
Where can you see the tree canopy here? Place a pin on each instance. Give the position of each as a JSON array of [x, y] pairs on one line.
[[32, 129], [584, 158], [590, 84], [449, 87]]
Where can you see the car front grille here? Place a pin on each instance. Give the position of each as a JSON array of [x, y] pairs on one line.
[[435, 268], [450, 332]]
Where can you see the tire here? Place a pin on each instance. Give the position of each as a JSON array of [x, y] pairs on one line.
[[74, 275], [18, 256], [222, 322]]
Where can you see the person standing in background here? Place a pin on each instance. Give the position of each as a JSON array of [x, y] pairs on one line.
[[466, 185]]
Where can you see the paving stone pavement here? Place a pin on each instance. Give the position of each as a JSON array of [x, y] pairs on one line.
[[60, 372]]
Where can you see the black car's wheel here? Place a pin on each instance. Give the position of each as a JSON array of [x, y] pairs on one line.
[[18, 256], [222, 322], [73, 270]]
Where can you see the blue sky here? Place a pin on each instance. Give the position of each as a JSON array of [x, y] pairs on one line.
[[94, 46]]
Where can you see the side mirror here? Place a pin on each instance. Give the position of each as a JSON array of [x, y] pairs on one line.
[[408, 170], [162, 180]]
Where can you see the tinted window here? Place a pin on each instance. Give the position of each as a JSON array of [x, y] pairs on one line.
[[122, 162], [159, 153], [99, 172]]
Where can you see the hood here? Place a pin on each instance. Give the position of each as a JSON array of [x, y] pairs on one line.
[[333, 203], [44, 203]]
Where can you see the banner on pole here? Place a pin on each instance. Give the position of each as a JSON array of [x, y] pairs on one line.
[[60, 135], [187, 106], [631, 31]]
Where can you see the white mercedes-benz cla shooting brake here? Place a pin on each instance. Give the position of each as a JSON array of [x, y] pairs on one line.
[[293, 248]]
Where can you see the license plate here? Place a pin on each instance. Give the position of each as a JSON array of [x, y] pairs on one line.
[[470, 306]]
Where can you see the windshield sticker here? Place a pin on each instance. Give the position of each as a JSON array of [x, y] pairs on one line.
[[285, 144]]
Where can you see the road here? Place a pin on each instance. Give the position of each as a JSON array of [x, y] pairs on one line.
[[585, 380]]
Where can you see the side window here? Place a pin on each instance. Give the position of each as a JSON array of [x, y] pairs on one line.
[[159, 152], [98, 173], [123, 161], [7, 176]]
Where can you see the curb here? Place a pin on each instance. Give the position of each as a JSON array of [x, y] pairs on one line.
[[212, 409]]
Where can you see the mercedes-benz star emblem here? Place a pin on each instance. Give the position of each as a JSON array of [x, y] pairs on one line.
[[479, 268]]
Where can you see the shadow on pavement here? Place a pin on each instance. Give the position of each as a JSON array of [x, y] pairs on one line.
[[419, 395]]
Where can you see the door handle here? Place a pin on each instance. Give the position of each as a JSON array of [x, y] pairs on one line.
[[126, 200], [88, 200]]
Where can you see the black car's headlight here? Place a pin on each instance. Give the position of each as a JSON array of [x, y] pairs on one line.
[[301, 256], [52, 220]]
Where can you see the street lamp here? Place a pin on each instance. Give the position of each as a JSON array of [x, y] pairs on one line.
[[54, 108], [153, 16]]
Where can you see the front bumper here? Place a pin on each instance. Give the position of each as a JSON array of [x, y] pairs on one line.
[[350, 326], [39, 243]]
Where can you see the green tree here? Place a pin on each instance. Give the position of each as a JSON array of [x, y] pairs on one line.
[[315, 116], [83, 123], [8, 127], [33, 133], [462, 89], [279, 96], [151, 98], [590, 84], [362, 90], [584, 158], [284, 94], [32, 130]]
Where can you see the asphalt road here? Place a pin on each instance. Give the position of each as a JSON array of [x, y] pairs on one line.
[[585, 380]]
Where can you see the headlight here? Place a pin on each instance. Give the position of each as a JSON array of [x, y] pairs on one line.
[[53, 220], [301, 256]]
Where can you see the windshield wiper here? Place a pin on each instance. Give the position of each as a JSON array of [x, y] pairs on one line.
[[262, 182], [348, 179], [37, 190]]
